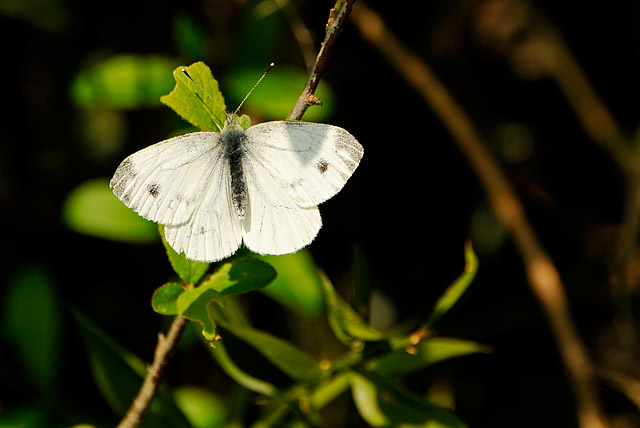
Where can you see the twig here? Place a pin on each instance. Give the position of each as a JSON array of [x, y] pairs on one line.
[[334, 26], [164, 349], [542, 275]]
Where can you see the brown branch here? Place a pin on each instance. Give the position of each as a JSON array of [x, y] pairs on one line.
[[164, 349], [542, 275], [536, 49], [334, 27]]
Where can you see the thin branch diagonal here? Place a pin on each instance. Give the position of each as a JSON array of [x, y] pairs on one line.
[[334, 27], [164, 349], [543, 277]]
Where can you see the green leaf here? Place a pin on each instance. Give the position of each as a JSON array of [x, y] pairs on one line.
[[202, 408], [298, 285], [294, 362], [119, 374], [31, 320], [165, 299], [189, 271], [329, 389], [92, 209], [278, 92], [424, 354], [241, 276], [123, 82], [382, 402], [455, 291], [236, 373], [366, 396], [192, 103], [346, 323], [196, 305]]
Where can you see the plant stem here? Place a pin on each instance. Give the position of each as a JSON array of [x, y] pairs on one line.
[[164, 349], [334, 26]]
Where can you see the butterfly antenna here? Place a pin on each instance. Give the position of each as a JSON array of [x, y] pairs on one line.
[[184, 70], [255, 86]]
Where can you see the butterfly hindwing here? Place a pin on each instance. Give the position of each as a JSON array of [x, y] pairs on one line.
[[214, 231], [274, 223]]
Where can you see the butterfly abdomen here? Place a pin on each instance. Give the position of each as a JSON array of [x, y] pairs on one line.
[[233, 139]]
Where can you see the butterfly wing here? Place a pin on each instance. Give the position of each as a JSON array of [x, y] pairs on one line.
[[291, 167], [311, 161], [214, 232], [183, 184], [274, 223], [164, 182]]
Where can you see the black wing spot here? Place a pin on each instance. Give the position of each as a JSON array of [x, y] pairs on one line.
[[322, 166], [153, 189]]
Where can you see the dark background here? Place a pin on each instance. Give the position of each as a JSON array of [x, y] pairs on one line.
[[411, 204]]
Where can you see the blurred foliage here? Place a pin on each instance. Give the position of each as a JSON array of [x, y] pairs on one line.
[[275, 95], [93, 209], [31, 320], [337, 338], [294, 286], [123, 82]]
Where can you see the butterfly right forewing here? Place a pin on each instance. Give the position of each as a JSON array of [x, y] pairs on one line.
[[310, 161]]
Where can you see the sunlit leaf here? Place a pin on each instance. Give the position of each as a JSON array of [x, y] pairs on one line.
[[165, 299], [236, 373], [189, 271], [31, 320], [296, 363], [346, 323], [383, 402], [190, 100], [278, 92], [366, 396], [298, 284], [457, 289], [426, 353], [241, 276], [328, 389], [92, 209], [202, 408], [124, 82], [196, 305]]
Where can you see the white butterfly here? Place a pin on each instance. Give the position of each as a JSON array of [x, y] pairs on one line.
[[213, 191]]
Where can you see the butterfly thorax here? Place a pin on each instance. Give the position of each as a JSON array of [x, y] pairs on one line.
[[233, 139]]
